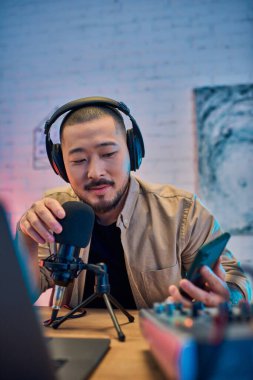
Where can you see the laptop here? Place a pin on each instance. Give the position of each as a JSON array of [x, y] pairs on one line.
[[25, 353]]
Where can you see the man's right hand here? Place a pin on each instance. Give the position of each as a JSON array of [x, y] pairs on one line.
[[40, 221]]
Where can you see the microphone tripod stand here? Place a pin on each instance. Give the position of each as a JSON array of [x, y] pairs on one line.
[[101, 289]]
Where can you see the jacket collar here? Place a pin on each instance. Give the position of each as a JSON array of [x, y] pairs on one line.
[[132, 196]]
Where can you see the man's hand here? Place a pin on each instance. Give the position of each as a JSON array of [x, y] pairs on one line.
[[215, 291], [40, 221]]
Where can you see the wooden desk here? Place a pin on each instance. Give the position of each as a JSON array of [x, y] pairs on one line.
[[125, 360]]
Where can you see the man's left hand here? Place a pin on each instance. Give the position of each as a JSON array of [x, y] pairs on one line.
[[214, 292]]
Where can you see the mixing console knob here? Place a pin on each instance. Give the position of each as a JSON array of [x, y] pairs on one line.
[[169, 308], [158, 308], [196, 308], [179, 306]]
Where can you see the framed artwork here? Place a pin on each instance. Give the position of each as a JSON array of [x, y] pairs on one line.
[[224, 122]]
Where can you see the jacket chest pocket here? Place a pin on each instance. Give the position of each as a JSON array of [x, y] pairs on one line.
[[157, 282]]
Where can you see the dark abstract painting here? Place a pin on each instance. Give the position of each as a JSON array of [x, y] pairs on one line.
[[224, 119]]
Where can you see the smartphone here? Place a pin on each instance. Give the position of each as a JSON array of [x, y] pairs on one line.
[[208, 255]]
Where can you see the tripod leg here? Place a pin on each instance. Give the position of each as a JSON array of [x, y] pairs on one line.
[[121, 336], [56, 324], [119, 306]]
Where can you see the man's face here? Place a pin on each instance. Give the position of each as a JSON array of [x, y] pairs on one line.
[[97, 163]]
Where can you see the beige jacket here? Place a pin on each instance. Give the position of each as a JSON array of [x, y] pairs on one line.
[[162, 228]]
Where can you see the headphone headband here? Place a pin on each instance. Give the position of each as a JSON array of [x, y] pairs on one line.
[[86, 102]]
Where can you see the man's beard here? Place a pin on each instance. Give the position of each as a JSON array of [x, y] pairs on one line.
[[103, 207]]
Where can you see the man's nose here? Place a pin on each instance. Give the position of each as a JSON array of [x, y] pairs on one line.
[[95, 168]]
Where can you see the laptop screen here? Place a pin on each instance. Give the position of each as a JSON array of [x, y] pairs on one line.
[[24, 352]]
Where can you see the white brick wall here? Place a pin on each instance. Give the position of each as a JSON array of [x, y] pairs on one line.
[[149, 54]]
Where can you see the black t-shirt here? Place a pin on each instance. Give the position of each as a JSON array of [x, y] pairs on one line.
[[106, 247]]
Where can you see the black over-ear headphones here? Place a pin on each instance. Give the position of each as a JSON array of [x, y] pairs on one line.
[[135, 142]]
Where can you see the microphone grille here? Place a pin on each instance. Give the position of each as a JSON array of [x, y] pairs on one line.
[[77, 225]]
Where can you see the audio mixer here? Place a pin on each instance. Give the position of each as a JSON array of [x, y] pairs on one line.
[[201, 343]]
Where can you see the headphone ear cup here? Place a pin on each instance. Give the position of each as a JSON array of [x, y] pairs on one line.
[[58, 163], [132, 144]]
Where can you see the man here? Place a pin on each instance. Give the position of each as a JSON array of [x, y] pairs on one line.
[[148, 235]]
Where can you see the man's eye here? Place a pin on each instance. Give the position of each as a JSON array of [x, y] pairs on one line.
[[79, 161], [109, 154]]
